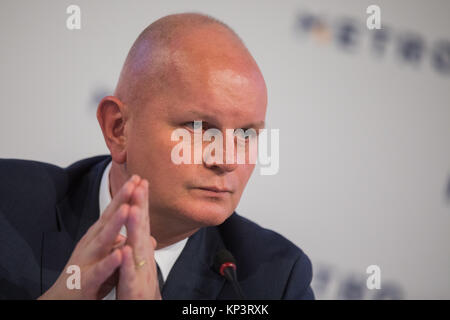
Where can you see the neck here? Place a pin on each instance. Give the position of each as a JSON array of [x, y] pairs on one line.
[[166, 228]]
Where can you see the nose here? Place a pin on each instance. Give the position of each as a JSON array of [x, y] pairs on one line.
[[224, 167], [211, 161]]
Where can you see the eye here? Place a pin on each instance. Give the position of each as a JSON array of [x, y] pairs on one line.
[[192, 125], [240, 133]]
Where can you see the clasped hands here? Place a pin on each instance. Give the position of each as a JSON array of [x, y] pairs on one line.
[[107, 259]]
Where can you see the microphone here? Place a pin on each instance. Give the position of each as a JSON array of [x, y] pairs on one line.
[[225, 265]]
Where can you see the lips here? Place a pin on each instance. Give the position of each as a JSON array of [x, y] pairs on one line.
[[215, 189]]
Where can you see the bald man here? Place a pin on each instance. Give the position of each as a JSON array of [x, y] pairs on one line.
[[135, 224]]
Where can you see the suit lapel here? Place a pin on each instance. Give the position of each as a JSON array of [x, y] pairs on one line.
[[75, 214], [192, 276]]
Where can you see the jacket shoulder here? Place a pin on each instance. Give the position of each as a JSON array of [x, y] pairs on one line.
[[32, 189], [26, 180]]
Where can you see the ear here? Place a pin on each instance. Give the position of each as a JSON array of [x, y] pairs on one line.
[[111, 115]]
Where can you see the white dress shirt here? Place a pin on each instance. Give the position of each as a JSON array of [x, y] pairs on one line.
[[165, 257]]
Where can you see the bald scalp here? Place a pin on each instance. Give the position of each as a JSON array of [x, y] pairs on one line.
[[161, 54]]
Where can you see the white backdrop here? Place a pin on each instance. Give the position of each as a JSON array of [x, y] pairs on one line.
[[364, 131]]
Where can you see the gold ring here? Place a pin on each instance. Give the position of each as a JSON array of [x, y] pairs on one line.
[[140, 264]]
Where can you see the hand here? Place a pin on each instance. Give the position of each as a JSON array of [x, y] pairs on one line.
[[96, 253], [138, 276]]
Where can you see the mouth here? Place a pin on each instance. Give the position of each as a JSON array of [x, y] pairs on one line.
[[214, 191]]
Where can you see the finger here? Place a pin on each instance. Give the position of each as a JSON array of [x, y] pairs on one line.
[[102, 270], [136, 236], [153, 242], [140, 199], [119, 242], [145, 206], [105, 239], [123, 196], [127, 269]]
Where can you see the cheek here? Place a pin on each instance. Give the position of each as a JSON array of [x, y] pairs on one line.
[[148, 152], [243, 174], [247, 170]]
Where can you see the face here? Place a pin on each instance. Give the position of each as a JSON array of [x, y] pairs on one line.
[[222, 97]]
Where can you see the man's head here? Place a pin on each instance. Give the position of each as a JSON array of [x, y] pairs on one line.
[[182, 68]]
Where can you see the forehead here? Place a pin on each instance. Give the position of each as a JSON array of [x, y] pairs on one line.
[[215, 80], [223, 97]]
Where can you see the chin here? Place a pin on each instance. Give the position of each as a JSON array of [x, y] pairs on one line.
[[207, 214]]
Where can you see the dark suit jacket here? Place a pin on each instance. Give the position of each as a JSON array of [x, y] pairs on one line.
[[45, 210]]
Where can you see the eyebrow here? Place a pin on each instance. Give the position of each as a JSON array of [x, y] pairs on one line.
[[258, 125], [210, 118]]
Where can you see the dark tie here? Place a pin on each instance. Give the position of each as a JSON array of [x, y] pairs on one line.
[[160, 277]]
